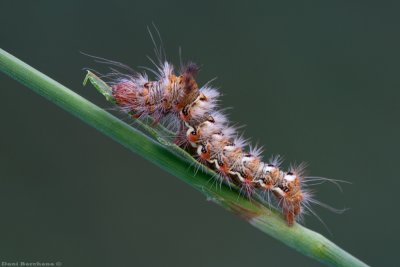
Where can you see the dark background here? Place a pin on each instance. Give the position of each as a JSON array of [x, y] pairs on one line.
[[312, 81]]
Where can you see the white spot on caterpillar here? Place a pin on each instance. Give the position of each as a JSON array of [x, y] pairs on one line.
[[289, 177]]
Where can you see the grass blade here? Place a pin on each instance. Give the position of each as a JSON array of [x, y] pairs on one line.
[[175, 161]]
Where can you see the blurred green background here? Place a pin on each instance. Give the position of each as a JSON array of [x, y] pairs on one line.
[[314, 81]]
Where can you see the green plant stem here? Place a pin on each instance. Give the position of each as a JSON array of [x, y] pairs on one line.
[[267, 220]]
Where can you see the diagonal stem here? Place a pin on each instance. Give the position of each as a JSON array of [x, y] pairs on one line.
[[256, 213]]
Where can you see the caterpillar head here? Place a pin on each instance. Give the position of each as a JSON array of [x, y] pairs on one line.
[[125, 94]]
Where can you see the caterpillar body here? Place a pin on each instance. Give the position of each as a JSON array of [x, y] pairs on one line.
[[205, 132]]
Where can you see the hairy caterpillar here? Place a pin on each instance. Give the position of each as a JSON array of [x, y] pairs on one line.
[[205, 132]]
